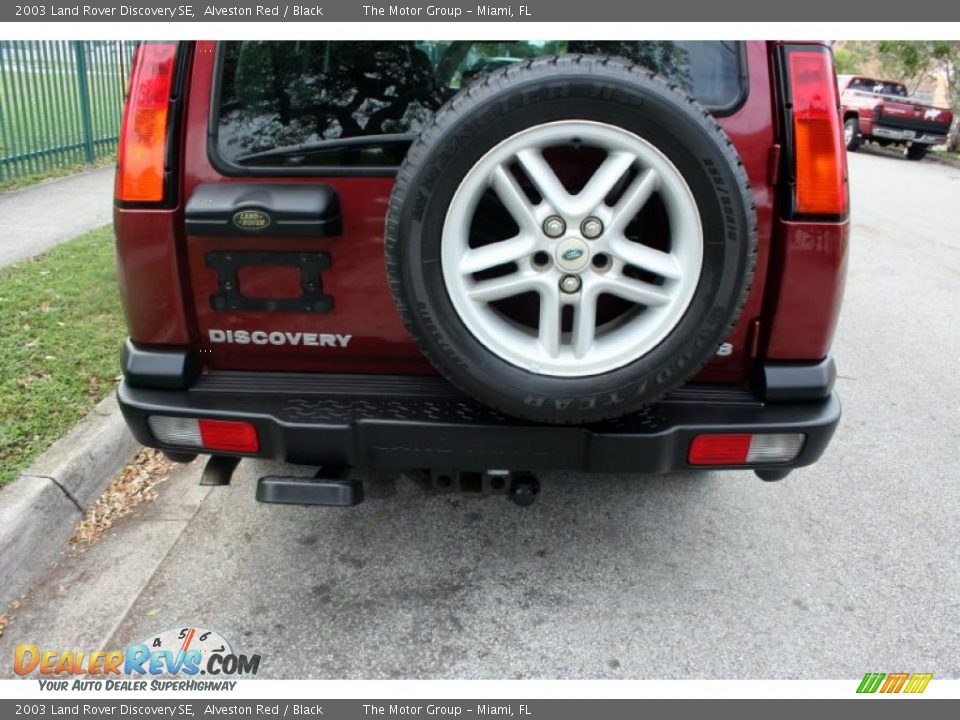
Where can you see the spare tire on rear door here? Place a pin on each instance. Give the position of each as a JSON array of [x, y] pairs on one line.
[[570, 239]]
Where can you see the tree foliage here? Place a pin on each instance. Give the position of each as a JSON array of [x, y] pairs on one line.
[[853, 56], [910, 62], [917, 60]]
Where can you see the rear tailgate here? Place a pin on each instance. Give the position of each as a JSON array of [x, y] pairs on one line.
[[913, 117], [271, 295]]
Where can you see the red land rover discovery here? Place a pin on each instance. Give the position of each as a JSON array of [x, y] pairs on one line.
[[473, 261]]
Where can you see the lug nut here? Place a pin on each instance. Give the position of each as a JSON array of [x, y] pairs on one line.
[[570, 283], [591, 228], [554, 226]]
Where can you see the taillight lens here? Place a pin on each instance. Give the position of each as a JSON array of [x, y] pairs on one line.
[[202, 434], [820, 170], [745, 449], [142, 150]]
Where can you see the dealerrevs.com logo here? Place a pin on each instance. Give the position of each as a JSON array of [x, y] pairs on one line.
[[154, 664]]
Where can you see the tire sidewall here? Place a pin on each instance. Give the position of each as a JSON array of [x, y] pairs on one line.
[[855, 139]]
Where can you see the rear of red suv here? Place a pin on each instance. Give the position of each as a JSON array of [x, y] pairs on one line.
[[475, 261]]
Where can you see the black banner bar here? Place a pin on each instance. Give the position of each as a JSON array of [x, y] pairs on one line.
[[460, 11]]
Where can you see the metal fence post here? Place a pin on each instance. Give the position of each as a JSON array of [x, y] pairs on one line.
[[84, 87]]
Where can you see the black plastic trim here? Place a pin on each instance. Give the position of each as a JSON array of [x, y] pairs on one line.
[[794, 381], [309, 491], [927, 127], [229, 169], [390, 430], [170, 369], [285, 209]]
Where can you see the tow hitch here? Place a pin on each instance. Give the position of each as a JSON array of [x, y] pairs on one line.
[[520, 487]]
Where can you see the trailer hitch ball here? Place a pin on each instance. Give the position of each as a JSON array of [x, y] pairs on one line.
[[524, 488]]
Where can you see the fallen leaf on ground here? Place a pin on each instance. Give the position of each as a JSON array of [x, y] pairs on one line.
[[134, 486], [26, 382], [5, 621]]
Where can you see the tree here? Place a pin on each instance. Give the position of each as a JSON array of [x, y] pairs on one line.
[[914, 61], [852, 56]]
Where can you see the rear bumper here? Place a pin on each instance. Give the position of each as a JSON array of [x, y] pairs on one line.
[[411, 423], [902, 135]]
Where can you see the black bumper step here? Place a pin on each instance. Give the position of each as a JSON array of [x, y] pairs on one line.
[[309, 491]]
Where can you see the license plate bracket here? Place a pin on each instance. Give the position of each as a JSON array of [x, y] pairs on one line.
[[231, 298]]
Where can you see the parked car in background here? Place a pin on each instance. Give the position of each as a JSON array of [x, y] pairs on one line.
[[883, 112], [431, 257]]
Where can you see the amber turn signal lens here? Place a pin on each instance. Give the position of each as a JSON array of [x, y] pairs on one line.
[[819, 155]]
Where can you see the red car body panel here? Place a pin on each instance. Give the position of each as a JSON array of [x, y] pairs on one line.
[[790, 312], [803, 309], [151, 273]]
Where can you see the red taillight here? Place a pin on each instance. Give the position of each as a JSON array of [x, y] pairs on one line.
[[819, 156], [745, 449], [719, 450], [229, 436], [142, 150]]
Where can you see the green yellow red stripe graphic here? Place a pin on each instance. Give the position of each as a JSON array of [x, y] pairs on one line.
[[894, 682]]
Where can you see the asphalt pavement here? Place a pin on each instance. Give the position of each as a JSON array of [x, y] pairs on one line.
[[39, 216], [846, 567]]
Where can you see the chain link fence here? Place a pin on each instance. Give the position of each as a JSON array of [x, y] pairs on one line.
[[60, 103]]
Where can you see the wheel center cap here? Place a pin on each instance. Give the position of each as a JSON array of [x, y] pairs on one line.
[[572, 255]]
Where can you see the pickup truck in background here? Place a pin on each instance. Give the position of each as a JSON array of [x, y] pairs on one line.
[[883, 112]]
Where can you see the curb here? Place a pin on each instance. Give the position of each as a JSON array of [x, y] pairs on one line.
[[39, 509], [950, 162]]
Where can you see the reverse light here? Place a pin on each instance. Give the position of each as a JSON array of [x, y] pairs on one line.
[[222, 435], [745, 449], [819, 155], [142, 150]]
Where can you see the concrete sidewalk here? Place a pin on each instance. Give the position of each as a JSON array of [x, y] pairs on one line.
[[40, 216]]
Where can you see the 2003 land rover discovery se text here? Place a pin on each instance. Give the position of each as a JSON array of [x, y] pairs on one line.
[[475, 261]]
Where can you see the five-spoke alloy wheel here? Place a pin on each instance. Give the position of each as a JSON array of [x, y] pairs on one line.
[[571, 249]]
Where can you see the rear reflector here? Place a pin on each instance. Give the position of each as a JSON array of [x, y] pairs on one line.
[[233, 436], [141, 156], [222, 435], [743, 449], [819, 155]]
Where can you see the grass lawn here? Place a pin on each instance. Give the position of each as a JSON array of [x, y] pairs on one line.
[[61, 330], [947, 154]]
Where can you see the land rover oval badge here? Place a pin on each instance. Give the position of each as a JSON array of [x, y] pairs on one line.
[[251, 219]]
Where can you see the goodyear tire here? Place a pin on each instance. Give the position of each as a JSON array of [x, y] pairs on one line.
[[570, 239]]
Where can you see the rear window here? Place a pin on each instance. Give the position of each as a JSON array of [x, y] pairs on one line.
[[879, 87], [330, 104]]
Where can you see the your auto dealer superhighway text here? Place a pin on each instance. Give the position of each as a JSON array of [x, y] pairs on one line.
[[184, 11]]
